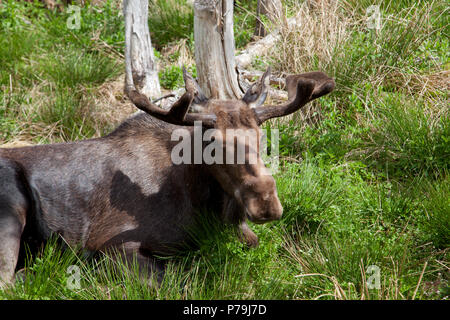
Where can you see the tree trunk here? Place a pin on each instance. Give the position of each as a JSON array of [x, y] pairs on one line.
[[140, 67], [272, 9], [214, 49]]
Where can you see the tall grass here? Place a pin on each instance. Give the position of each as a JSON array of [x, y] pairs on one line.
[[409, 135], [391, 92], [336, 38], [46, 82], [324, 253], [170, 20]]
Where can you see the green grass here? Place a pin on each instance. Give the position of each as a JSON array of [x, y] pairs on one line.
[[171, 77], [336, 224], [364, 175], [170, 21], [49, 72]]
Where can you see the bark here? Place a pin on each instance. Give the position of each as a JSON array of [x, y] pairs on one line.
[[140, 67], [215, 49], [272, 9]]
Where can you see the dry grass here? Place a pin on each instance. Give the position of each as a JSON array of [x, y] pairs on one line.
[[111, 104], [16, 144], [316, 37], [310, 257], [104, 107], [419, 84], [334, 37], [181, 51]]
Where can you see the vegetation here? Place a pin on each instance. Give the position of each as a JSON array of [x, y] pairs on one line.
[[364, 175]]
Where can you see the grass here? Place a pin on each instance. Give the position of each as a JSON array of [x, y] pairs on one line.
[[45, 82], [170, 20], [364, 175], [321, 249]]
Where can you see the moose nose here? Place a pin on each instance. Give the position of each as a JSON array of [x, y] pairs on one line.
[[276, 210], [266, 218], [273, 211]]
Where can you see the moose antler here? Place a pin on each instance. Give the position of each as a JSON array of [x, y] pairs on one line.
[[302, 88], [177, 114]]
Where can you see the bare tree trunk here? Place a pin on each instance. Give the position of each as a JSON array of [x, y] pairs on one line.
[[214, 49], [272, 9], [140, 66]]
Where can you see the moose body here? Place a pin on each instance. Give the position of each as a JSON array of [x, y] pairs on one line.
[[124, 191], [96, 192]]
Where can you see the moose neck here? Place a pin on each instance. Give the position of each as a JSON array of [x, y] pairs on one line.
[[204, 176]]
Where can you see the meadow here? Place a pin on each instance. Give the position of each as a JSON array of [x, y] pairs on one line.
[[364, 171]]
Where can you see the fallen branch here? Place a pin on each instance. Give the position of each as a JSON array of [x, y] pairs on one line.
[[246, 76], [251, 75], [278, 94], [261, 46]]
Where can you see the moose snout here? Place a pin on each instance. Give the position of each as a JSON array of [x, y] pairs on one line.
[[261, 211]]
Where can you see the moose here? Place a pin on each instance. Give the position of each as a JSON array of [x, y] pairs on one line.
[[122, 191]]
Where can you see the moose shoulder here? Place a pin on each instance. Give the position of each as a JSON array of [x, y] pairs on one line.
[[124, 191]]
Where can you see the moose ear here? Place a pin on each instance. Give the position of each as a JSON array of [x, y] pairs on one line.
[[257, 93], [193, 88]]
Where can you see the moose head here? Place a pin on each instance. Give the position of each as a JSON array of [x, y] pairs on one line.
[[248, 182]]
